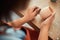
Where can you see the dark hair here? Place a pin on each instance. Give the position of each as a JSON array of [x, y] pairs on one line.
[[7, 5]]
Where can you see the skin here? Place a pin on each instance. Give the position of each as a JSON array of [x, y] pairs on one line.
[[45, 26], [29, 15]]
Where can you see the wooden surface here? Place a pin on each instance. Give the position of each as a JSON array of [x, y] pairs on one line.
[[55, 29]]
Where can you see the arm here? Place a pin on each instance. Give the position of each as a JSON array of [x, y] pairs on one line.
[[29, 15], [43, 34], [45, 25], [17, 23]]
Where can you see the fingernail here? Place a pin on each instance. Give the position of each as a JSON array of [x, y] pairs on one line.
[[54, 13], [35, 8]]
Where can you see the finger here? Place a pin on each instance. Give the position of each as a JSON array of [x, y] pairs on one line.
[[33, 9], [51, 17], [37, 11]]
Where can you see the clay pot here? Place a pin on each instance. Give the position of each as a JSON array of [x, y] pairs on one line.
[[46, 12]]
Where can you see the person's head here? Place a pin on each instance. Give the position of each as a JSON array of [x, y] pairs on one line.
[[7, 5]]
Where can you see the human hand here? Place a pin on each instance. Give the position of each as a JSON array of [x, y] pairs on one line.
[[31, 13], [47, 22]]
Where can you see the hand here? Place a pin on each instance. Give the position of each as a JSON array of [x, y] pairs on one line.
[[31, 13], [47, 22]]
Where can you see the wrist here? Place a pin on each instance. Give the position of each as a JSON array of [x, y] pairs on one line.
[[45, 28], [24, 19]]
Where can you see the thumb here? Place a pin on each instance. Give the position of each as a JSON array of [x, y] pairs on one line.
[[51, 17]]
